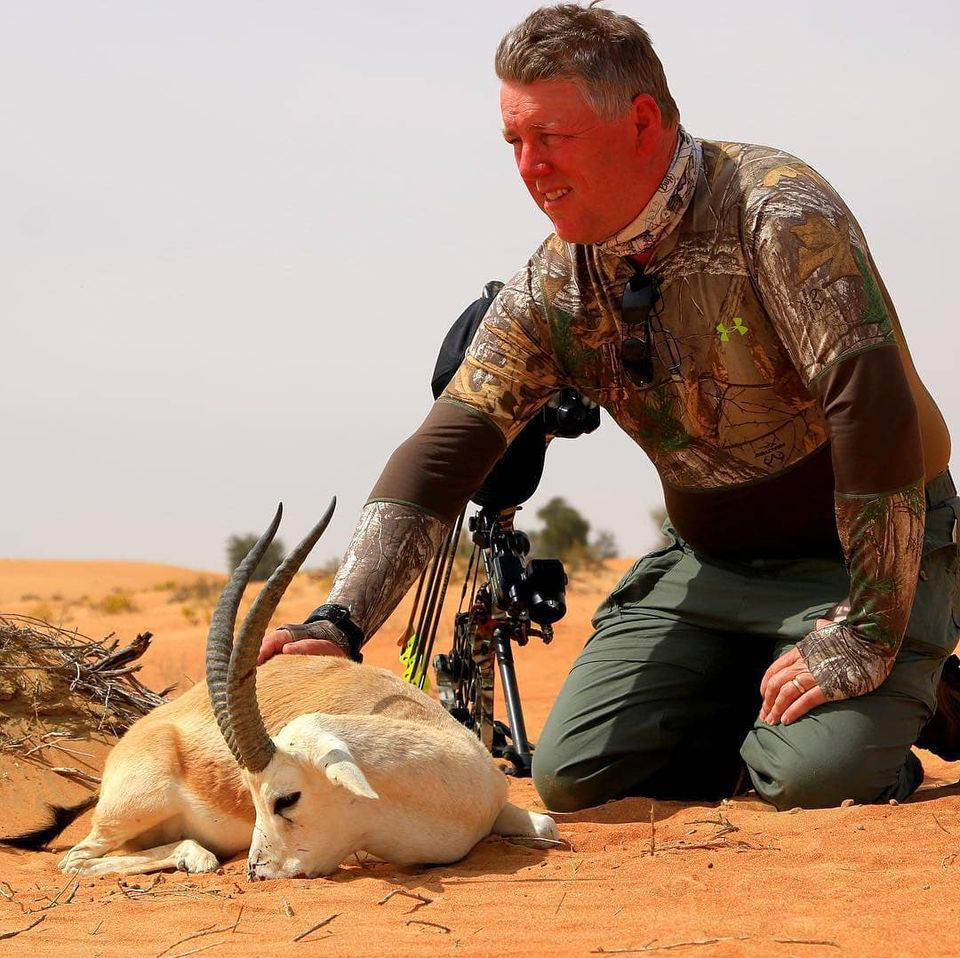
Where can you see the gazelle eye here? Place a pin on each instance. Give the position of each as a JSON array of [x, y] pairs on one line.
[[285, 802]]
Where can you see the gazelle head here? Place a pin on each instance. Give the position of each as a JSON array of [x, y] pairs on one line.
[[311, 798]]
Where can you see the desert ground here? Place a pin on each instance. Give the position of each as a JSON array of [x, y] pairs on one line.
[[736, 878]]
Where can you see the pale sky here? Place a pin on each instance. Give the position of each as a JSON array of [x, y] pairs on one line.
[[233, 234]]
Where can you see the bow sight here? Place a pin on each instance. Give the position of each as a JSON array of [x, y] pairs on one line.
[[531, 591]]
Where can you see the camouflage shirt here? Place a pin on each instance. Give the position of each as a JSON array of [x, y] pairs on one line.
[[772, 336]]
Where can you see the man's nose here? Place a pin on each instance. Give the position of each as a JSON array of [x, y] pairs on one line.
[[532, 163]]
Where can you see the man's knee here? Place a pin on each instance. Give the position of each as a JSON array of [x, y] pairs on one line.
[[566, 788], [788, 776]]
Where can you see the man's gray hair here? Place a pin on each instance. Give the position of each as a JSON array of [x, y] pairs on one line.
[[608, 55]]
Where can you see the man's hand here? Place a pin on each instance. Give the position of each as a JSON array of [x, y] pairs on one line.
[[788, 689], [317, 638]]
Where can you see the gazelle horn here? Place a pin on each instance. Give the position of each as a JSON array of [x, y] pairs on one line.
[[232, 665]]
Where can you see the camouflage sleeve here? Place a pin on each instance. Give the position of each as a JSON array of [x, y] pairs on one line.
[[882, 536], [390, 546], [817, 281], [509, 372], [812, 269]]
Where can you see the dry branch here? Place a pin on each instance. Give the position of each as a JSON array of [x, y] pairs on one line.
[[677, 944], [430, 924], [19, 931], [76, 773], [316, 927], [205, 931], [421, 899], [56, 674], [806, 941]]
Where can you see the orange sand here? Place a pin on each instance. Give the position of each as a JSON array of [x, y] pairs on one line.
[[853, 881]]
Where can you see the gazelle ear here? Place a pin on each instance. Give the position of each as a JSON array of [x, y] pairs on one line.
[[348, 775], [342, 770]]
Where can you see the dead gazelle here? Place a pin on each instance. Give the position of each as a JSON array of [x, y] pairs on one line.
[[358, 760]]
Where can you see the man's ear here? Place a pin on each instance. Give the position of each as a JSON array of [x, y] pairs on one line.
[[646, 117], [342, 770]]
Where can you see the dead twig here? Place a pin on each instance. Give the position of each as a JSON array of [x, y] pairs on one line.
[[724, 825], [421, 900], [806, 941], [67, 772], [430, 924], [406, 894], [653, 832], [196, 951], [942, 826], [203, 932], [19, 931], [286, 909], [677, 944], [316, 927], [559, 903], [718, 844], [9, 893], [75, 882]]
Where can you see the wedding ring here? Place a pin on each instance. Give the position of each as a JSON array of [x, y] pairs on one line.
[[800, 688]]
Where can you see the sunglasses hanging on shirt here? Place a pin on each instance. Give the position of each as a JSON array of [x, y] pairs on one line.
[[640, 305]]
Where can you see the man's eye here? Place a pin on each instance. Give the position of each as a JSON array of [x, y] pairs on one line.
[[285, 801]]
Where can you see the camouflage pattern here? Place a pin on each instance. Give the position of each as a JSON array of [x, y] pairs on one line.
[[766, 285], [883, 536], [391, 544]]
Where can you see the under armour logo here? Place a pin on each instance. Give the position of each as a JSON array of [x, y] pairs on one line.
[[737, 326]]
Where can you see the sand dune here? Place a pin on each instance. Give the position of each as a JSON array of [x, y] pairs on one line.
[[733, 879]]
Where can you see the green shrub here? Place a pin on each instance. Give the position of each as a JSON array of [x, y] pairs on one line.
[[115, 603], [201, 590], [239, 546], [565, 535]]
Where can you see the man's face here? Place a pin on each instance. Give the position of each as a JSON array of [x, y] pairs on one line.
[[584, 172]]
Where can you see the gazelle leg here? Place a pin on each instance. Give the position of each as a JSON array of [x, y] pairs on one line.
[[519, 823], [111, 828], [185, 856]]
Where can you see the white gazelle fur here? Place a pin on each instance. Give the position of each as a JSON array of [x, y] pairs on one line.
[[318, 758]]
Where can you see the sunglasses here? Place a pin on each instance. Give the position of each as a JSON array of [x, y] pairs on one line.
[[641, 301]]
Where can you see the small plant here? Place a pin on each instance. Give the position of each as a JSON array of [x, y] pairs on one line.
[[115, 603], [190, 614], [168, 585], [565, 535], [43, 611], [200, 590], [239, 546]]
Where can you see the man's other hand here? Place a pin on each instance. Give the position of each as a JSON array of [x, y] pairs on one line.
[[317, 638], [788, 689]]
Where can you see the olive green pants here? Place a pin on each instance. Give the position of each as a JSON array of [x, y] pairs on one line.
[[664, 698]]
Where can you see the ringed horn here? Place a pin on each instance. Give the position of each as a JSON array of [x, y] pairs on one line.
[[232, 666]]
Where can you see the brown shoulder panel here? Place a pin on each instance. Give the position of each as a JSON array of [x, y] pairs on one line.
[[444, 462], [872, 419]]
